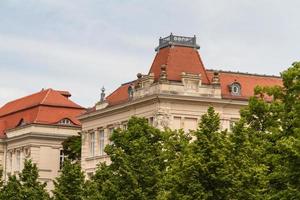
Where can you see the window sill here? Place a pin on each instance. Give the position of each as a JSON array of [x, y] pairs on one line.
[[96, 157]]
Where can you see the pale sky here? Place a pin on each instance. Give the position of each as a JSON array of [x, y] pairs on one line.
[[82, 45]]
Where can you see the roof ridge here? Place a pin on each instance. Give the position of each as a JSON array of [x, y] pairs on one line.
[[198, 55], [122, 85], [44, 99], [23, 97], [244, 73], [37, 114]]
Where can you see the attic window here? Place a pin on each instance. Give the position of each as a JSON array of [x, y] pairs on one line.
[[21, 123], [235, 89], [65, 122]]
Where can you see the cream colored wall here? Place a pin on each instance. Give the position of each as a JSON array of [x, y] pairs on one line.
[[41, 144], [106, 121], [175, 113], [189, 111]]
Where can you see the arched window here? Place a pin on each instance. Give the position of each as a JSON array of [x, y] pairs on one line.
[[21, 122], [65, 121]]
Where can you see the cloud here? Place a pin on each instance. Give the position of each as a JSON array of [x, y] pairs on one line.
[[64, 66], [81, 45]]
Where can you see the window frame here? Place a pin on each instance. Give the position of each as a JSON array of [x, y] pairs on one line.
[[92, 144], [101, 142]]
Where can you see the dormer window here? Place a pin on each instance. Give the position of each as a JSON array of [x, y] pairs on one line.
[[65, 122], [21, 123], [235, 89]]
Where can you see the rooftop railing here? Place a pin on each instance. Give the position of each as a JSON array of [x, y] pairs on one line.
[[177, 40]]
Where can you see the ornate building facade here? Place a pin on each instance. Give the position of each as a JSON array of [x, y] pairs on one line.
[[175, 93], [33, 127]]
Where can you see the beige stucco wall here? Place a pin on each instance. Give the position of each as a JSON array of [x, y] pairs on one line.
[[106, 121], [41, 144], [173, 111]]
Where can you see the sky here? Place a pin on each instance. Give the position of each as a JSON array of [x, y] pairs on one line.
[[83, 45]]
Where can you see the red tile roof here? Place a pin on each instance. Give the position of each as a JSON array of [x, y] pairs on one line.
[[45, 107], [247, 81], [178, 59], [120, 95]]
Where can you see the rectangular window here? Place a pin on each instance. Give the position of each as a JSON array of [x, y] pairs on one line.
[[101, 141], [124, 125], [92, 144], [110, 132], [61, 159], [10, 161], [18, 160], [176, 124], [151, 121], [190, 124]]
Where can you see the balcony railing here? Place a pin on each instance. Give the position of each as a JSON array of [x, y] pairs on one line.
[[177, 40]]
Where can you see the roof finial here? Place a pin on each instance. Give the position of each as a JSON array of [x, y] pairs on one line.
[[102, 94]]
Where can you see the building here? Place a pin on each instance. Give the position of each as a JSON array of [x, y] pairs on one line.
[[175, 93], [33, 127]]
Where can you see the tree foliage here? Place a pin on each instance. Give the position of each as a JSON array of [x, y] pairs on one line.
[[137, 163], [12, 190], [72, 147], [258, 159], [26, 186], [70, 184], [201, 172]]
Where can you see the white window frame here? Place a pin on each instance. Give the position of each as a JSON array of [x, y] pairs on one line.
[[92, 143], [18, 160], [101, 142], [61, 158], [110, 132], [11, 161]]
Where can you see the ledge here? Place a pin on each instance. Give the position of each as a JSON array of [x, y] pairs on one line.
[[96, 157]]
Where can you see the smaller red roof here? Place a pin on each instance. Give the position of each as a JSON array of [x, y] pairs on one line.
[[119, 96], [44, 107]]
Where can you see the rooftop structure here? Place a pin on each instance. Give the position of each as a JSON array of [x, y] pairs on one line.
[[177, 90]]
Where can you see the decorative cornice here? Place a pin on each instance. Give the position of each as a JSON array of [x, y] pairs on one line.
[[155, 97]]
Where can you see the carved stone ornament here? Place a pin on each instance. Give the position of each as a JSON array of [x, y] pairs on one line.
[[27, 152], [161, 120], [216, 78], [102, 98], [163, 74]]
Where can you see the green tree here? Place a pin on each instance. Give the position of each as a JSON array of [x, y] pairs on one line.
[[201, 171], [32, 189], [266, 142], [137, 163], [248, 162], [12, 190], [26, 187], [72, 147], [285, 174], [70, 184]]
